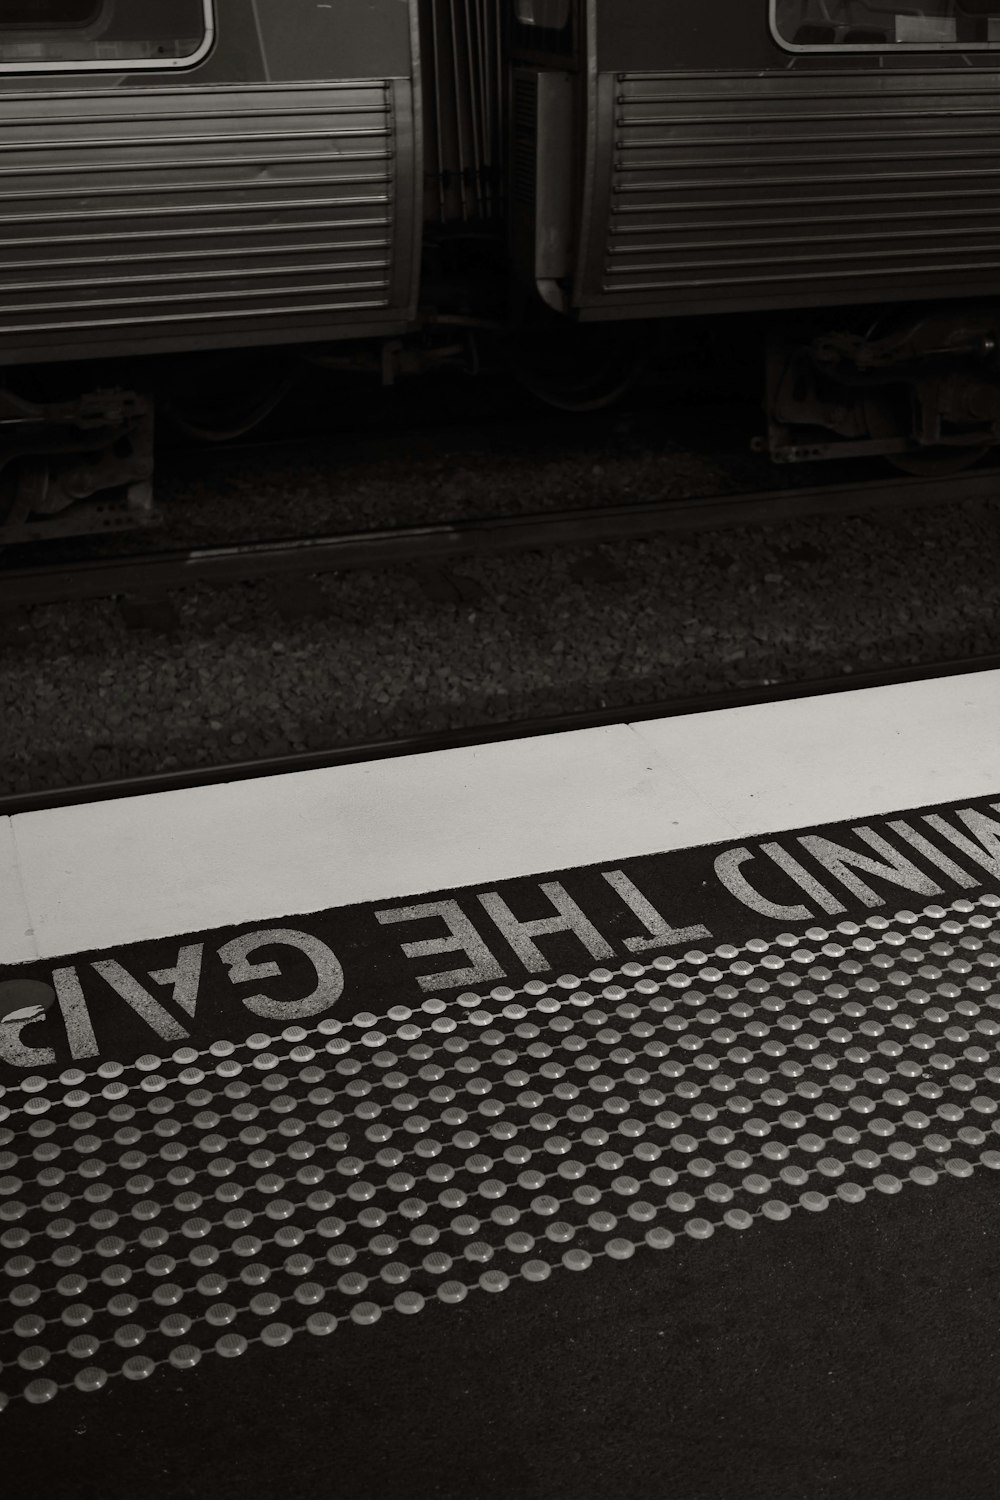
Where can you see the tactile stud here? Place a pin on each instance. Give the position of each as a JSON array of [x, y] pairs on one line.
[[230, 1345], [40, 1391]]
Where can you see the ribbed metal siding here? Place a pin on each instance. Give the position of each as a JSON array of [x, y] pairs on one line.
[[524, 149], [462, 46], [183, 216], [746, 190]]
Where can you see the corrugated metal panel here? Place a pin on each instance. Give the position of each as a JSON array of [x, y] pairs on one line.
[[466, 121], [861, 186], [524, 145], [179, 215]]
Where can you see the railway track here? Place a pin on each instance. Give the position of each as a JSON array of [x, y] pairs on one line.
[[156, 572], [312, 760]]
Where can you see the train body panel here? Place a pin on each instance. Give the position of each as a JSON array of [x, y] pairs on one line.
[[663, 161], [724, 172], [256, 197], [720, 193]]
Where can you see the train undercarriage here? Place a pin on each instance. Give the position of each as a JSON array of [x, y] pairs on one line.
[[919, 389], [76, 465]]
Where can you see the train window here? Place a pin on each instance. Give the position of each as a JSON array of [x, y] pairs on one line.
[[72, 35], [553, 15], [47, 13], [881, 25], [544, 27]]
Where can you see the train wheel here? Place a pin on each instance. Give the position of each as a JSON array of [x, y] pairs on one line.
[[937, 461], [925, 463], [218, 400], [579, 367]]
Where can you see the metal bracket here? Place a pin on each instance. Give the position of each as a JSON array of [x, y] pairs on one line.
[[55, 458]]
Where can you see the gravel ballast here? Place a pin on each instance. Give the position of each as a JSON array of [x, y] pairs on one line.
[[271, 667]]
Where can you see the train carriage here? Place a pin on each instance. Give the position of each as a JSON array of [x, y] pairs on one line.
[[748, 156], [205, 172], [784, 159], [183, 177]]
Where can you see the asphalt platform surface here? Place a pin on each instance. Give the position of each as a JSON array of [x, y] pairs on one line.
[[649, 1214]]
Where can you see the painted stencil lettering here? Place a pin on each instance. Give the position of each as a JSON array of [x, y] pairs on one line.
[[185, 976], [568, 917], [842, 861], [329, 974], [659, 933], [729, 868], [463, 937]]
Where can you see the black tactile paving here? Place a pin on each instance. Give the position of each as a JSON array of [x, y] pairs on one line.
[[192, 1204], [196, 1196]]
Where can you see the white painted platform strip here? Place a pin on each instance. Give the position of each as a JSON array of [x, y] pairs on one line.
[[771, 767], [17, 940], [117, 872]]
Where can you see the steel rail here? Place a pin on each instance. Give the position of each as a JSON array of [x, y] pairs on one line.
[[14, 803], [157, 572]]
